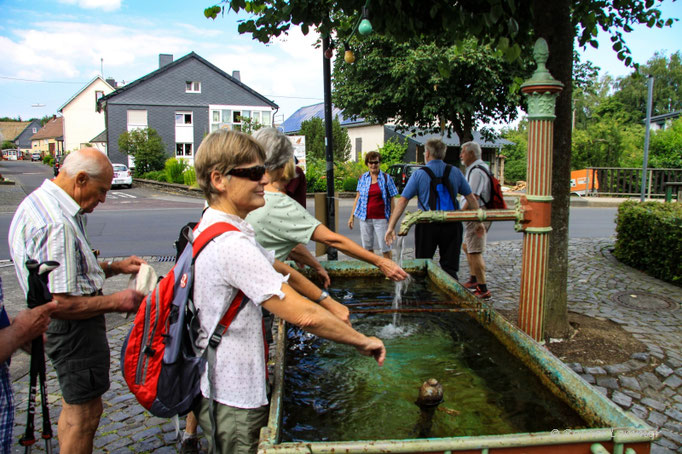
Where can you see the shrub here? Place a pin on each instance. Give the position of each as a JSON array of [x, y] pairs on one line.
[[350, 184], [650, 238], [156, 175], [48, 159], [190, 177], [174, 169], [392, 152]]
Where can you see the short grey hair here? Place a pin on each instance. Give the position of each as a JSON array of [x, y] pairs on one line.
[[79, 161], [436, 148], [473, 146], [278, 148]]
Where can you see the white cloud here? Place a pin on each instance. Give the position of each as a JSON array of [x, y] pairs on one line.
[[105, 5]]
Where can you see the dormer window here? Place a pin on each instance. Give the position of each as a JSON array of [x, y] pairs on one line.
[[192, 87]]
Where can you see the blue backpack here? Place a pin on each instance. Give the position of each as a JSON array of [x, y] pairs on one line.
[[441, 193]]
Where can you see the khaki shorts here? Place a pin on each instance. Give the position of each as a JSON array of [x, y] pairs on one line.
[[79, 352], [238, 428], [473, 242]]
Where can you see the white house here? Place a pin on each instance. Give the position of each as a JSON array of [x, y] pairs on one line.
[[82, 122]]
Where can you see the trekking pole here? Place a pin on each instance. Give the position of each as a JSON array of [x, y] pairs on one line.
[[38, 294]]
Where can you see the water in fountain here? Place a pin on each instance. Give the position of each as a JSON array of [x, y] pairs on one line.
[[394, 329]]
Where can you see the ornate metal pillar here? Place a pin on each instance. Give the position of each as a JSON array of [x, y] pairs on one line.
[[541, 90]]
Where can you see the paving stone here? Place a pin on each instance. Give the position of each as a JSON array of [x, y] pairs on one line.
[[644, 357], [650, 380], [607, 382], [674, 414], [673, 381], [667, 442], [618, 368], [596, 370], [576, 367], [589, 378], [602, 390], [146, 433], [656, 405], [634, 394], [658, 449], [664, 370], [629, 382], [621, 399], [657, 419], [639, 411], [101, 441]]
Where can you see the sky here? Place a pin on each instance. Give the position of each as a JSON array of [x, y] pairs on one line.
[[49, 50]]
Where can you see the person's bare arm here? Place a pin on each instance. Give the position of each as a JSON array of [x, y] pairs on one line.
[[27, 325], [471, 202], [130, 265], [352, 211], [81, 307], [301, 254], [390, 269], [306, 288], [312, 318], [395, 215]]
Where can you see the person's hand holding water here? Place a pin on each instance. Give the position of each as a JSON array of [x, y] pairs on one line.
[[374, 347]]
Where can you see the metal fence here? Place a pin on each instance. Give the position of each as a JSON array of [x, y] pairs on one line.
[[627, 182]]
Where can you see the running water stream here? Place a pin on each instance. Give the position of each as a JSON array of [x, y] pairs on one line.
[[394, 329]]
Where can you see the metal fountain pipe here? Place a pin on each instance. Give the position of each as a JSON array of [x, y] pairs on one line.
[[418, 217]]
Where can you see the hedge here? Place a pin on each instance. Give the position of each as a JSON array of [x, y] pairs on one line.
[[649, 238]]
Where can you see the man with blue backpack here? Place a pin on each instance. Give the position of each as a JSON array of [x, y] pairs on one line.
[[436, 186]]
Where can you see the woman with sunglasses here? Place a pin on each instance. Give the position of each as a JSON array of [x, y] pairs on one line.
[[376, 192], [230, 172], [284, 226]]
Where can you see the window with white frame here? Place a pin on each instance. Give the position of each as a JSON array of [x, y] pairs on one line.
[[232, 117], [98, 94], [35, 130], [183, 150], [183, 118], [192, 87]]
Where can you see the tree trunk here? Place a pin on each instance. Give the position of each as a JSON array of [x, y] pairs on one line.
[[552, 21]]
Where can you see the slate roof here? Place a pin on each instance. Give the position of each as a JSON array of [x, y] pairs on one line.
[[177, 62], [53, 129], [82, 90], [293, 123], [101, 137], [452, 141], [10, 130]]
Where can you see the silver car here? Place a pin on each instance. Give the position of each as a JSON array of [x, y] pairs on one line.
[[122, 176]]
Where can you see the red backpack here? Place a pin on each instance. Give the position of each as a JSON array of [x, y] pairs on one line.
[[496, 201], [158, 360]]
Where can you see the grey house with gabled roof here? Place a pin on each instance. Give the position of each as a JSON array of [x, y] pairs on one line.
[[183, 101]]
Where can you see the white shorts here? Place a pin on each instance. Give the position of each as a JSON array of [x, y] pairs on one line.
[[371, 229]]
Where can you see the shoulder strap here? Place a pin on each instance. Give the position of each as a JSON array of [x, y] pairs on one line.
[[490, 181], [446, 182], [209, 234], [433, 192], [429, 172]]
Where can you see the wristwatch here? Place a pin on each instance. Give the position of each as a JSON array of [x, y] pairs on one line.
[[322, 297]]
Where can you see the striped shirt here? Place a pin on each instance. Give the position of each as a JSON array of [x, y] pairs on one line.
[[48, 225]]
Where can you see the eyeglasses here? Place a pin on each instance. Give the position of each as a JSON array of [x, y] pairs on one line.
[[254, 173], [373, 162]]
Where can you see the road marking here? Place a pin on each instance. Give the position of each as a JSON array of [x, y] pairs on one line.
[[122, 195]]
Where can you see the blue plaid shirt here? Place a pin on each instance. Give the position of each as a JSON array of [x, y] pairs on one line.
[[6, 397], [388, 190]]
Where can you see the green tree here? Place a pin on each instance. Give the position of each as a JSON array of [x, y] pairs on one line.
[[314, 133], [7, 144], [427, 85], [665, 147], [516, 162], [392, 152], [632, 90], [146, 147], [606, 143], [509, 26], [249, 125]]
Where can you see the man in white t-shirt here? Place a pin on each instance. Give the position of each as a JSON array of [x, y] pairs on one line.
[[476, 174]]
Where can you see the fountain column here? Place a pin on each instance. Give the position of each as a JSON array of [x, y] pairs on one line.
[[541, 91]]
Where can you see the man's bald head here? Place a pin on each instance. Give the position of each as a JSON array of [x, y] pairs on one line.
[[89, 160]]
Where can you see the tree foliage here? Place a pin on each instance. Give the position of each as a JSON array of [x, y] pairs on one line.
[[314, 133], [665, 147], [420, 83], [146, 147], [515, 163]]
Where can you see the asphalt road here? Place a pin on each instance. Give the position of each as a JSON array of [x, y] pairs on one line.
[[146, 222]]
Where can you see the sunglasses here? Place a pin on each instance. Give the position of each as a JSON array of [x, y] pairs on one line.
[[254, 173], [373, 162]]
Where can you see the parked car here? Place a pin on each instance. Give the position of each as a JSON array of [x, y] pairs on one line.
[[122, 176], [58, 165], [401, 174], [36, 157]]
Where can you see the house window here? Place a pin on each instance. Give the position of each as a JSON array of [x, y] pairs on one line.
[[183, 118], [232, 117], [183, 150], [98, 94], [192, 87], [35, 130]]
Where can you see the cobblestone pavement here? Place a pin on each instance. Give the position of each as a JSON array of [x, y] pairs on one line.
[[595, 280]]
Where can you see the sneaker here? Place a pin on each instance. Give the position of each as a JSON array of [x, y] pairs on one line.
[[470, 285], [483, 295], [190, 446]]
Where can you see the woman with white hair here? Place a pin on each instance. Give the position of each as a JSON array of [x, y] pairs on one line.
[[284, 226]]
